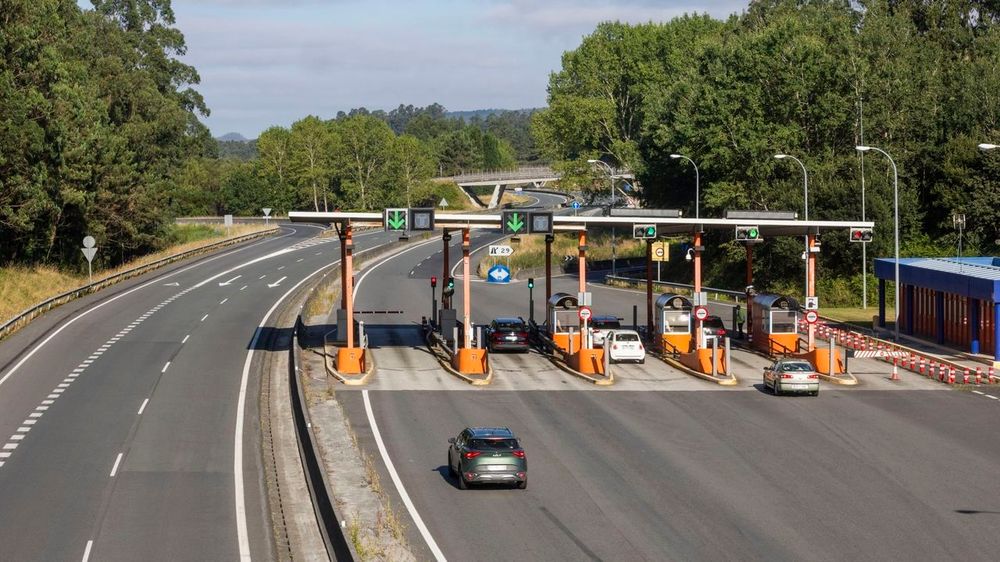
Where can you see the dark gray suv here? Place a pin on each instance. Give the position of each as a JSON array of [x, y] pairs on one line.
[[487, 455]]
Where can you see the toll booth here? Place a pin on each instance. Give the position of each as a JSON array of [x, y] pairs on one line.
[[673, 323], [562, 316], [774, 327]]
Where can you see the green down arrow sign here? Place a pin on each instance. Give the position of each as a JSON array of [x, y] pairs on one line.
[[397, 219], [513, 223]]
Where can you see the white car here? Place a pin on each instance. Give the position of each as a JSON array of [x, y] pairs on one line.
[[625, 345]]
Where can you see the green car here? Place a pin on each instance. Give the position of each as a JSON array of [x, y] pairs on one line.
[[487, 455]]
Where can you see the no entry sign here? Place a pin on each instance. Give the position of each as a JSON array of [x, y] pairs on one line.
[[812, 316], [584, 313], [700, 312]]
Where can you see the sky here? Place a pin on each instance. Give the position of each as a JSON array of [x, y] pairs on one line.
[[272, 62]]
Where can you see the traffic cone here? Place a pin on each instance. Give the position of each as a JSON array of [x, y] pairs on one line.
[[913, 362], [923, 364], [989, 375], [979, 375], [951, 375], [965, 376]]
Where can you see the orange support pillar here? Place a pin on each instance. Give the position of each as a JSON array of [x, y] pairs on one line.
[[446, 273], [583, 261], [466, 288], [350, 360]]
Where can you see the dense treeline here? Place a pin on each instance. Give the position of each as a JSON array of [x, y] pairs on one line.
[[797, 77], [95, 117]]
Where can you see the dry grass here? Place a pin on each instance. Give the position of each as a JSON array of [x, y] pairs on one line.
[[23, 287]]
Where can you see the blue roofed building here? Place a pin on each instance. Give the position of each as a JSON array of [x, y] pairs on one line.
[[949, 301]]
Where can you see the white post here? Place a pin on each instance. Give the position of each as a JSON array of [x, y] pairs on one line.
[[715, 353], [455, 340], [727, 357]]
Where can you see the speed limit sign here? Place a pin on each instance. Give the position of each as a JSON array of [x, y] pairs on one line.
[[812, 316], [700, 312]]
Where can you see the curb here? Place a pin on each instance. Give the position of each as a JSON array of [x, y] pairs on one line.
[[447, 366], [349, 380], [732, 381], [562, 365]]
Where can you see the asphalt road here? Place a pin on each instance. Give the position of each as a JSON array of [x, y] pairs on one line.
[[662, 466], [121, 411]]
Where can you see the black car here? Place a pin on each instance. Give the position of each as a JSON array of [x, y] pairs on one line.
[[487, 455], [507, 334]]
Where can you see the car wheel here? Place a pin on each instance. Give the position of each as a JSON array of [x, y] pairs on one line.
[[523, 484], [451, 469], [815, 393], [642, 361], [776, 388], [462, 484]]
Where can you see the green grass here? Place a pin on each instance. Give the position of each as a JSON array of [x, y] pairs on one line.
[[858, 316]]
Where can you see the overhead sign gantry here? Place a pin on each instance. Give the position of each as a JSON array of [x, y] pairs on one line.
[[755, 226]]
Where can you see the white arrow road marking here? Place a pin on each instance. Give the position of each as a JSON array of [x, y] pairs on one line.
[[276, 283], [224, 283]]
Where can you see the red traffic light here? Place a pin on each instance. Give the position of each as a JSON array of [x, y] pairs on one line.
[[434, 281]]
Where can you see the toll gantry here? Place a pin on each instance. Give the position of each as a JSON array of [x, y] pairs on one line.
[[674, 326]]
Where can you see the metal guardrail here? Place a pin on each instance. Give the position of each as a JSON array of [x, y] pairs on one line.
[[711, 290], [337, 545], [33, 312], [523, 173]]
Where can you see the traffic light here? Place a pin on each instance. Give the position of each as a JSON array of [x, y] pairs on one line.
[[531, 282], [434, 281], [644, 231], [861, 235], [450, 287], [747, 233]]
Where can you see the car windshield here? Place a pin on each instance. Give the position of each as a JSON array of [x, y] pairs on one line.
[[493, 444], [509, 325], [626, 337], [796, 367], [606, 323], [713, 322]]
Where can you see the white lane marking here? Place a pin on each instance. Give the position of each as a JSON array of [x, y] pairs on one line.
[[35, 415], [298, 260], [280, 268], [58, 391], [5, 455], [48, 402], [224, 283], [244, 287], [24, 359], [143, 407], [10, 446], [979, 393], [183, 341], [17, 437], [86, 551], [319, 253], [63, 384], [992, 397], [41, 408], [438, 555], [23, 429], [203, 318], [114, 469], [224, 300], [52, 396], [473, 252], [261, 277], [68, 379], [364, 275], [30, 421], [276, 283], [412, 270], [165, 367]]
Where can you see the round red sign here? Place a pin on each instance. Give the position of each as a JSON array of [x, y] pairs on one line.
[[700, 312], [584, 313], [811, 316]]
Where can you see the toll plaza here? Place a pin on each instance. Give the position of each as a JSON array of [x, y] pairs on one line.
[[647, 224], [949, 301], [674, 326]]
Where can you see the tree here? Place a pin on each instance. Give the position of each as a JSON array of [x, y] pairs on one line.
[[413, 165], [313, 144], [366, 150]]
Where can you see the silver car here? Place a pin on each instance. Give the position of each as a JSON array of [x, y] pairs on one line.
[[791, 375]]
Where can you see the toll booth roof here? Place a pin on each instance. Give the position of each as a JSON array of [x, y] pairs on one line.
[[671, 300], [973, 277], [774, 301], [563, 300]]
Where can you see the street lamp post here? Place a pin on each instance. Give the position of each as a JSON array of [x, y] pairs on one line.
[[805, 189], [895, 226], [611, 178], [697, 184]]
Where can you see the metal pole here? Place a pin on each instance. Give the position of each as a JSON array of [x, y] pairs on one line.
[[466, 285], [446, 274], [90, 272], [864, 245], [349, 286], [531, 304], [548, 268], [649, 286]]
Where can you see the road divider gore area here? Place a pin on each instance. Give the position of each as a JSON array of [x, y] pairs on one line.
[[445, 355], [38, 309]]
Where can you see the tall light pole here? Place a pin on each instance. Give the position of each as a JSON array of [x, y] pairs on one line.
[[805, 196], [611, 178], [895, 221], [697, 184]]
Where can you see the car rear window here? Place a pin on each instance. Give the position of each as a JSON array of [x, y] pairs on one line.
[[493, 444], [627, 337], [713, 322], [510, 325], [796, 367], [606, 323]]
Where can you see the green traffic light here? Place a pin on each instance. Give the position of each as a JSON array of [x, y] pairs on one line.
[[752, 233], [651, 231], [531, 283]]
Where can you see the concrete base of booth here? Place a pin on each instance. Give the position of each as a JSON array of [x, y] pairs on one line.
[[588, 361], [351, 360], [701, 360], [470, 361]]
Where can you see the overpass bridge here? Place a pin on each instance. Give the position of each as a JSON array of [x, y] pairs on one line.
[[535, 176]]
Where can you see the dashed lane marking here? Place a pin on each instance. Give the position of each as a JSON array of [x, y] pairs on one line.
[[114, 469], [142, 407]]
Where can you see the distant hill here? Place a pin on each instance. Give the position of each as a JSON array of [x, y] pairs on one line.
[[483, 113], [232, 137]]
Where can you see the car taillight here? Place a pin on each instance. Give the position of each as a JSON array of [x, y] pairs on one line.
[[614, 346], [519, 454], [470, 454], [814, 376], [641, 348], [786, 376], [722, 331], [523, 335]]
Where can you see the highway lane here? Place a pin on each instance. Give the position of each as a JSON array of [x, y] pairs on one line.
[[683, 469], [122, 426]]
